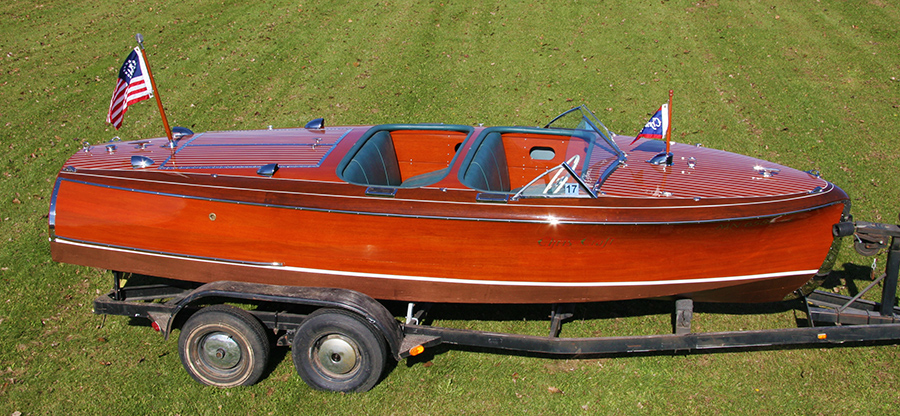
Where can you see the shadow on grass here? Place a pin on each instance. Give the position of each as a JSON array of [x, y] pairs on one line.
[[587, 311], [853, 276]]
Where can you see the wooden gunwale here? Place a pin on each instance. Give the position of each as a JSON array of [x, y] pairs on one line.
[[457, 204], [540, 219]]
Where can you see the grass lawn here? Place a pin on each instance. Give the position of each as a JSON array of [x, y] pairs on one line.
[[812, 85]]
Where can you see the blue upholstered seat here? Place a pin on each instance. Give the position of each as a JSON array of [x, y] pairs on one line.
[[375, 164], [488, 170]]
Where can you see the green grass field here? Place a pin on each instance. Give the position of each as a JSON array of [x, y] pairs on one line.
[[812, 85]]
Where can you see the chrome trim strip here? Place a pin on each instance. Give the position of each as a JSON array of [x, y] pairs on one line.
[[51, 217], [380, 214], [432, 279]]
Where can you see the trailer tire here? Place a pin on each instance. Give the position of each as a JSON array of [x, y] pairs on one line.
[[224, 346], [336, 350]]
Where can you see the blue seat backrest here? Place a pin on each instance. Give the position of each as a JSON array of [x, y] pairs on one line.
[[375, 164], [488, 170]]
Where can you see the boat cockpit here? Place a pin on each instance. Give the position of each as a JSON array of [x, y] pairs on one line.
[[570, 157], [403, 155]]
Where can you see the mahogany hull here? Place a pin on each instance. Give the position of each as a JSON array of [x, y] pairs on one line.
[[439, 257]]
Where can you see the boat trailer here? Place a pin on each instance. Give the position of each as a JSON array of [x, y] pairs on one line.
[[340, 338]]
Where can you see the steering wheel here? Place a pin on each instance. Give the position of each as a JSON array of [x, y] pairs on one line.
[[573, 163]]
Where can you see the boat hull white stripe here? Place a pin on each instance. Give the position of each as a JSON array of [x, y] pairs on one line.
[[447, 280]]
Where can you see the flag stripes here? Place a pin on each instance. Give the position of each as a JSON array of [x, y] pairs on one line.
[[132, 86]]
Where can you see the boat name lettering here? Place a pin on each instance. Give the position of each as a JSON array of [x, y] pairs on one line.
[[553, 243], [586, 242], [594, 242]]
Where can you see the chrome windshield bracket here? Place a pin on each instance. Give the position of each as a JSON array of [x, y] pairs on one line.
[[579, 180]]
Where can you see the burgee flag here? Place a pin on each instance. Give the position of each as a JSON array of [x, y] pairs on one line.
[[132, 86], [656, 127]]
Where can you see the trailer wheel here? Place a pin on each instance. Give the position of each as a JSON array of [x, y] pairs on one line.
[[224, 346], [336, 350]]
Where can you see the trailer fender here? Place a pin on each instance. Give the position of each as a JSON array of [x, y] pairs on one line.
[[370, 309]]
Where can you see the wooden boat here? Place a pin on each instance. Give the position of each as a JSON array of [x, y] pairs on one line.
[[449, 213]]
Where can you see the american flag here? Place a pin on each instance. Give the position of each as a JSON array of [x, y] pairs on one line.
[[132, 86]]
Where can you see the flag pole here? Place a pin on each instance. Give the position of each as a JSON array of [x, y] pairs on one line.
[[162, 112], [668, 126]]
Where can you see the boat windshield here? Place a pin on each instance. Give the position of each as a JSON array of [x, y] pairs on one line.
[[591, 157]]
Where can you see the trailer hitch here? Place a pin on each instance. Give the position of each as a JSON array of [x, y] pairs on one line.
[[869, 239]]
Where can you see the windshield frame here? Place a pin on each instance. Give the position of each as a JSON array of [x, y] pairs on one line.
[[591, 120]]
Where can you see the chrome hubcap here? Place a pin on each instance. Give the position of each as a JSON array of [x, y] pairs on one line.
[[337, 354], [219, 350]]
